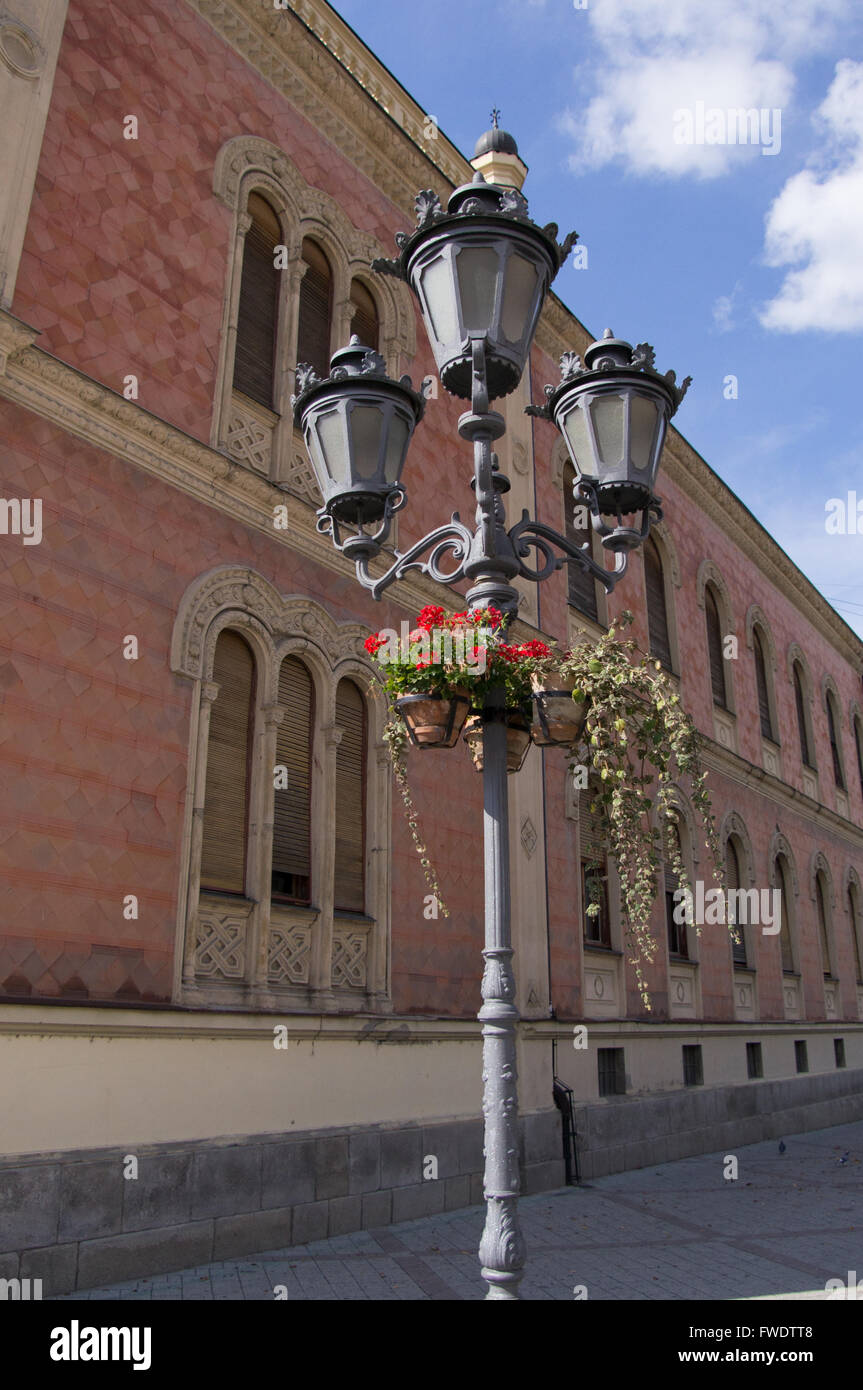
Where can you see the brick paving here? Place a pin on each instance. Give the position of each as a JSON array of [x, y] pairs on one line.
[[680, 1230]]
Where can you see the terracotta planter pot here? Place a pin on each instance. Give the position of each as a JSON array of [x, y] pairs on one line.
[[434, 721], [558, 720], [517, 740]]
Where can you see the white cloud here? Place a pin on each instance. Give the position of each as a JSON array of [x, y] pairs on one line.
[[816, 223], [662, 56]]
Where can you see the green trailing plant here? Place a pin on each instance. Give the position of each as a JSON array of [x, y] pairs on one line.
[[638, 741], [395, 737]]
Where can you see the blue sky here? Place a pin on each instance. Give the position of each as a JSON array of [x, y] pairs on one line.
[[731, 261]]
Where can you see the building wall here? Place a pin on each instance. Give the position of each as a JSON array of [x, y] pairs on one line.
[[125, 270]]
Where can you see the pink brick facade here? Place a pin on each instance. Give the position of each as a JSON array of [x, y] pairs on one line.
[[123, 273]]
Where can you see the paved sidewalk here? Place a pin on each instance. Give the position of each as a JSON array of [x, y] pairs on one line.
[[681, 1230]]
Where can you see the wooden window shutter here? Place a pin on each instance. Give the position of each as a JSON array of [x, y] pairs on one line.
[[838, 775], [257, 318], [821, 904], [594, 867], [223, 852], [292, 813], [582, 585], [657, 614], [677, 940], [855, 936], [313, 337], [761, 683], [365, 315], [782, 881], [350, 892], [714, 648], [732, 883], [801, 717]]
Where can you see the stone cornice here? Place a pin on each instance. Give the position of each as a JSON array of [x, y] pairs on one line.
[[697, 480], [320, 66], [318, 63], [39, 382], [789, 798]]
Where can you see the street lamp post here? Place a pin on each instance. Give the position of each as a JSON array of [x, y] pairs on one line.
[[480, 270]]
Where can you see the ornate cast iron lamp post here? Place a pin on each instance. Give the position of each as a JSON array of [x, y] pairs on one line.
[[480, 270]]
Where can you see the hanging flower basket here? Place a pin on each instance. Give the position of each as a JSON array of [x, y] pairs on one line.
[[434, 720], [558, 719], [517, 739]]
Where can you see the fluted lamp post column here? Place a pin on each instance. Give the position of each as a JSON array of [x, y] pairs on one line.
[[480, 270]]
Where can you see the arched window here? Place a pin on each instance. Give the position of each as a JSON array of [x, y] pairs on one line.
[[581, 584], [854, 919], [783, 883], [802, 728], [226, 804], [258, 311], [657, 612], [677, 942], [733, 883], [364, 321], [761, 685], [714, 648], [350, 892], [821, 907], [594, 871], [832, 729], [316, 295], [858, 745], [292, 808]]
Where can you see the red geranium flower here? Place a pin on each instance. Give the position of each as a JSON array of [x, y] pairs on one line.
[[431, 616]]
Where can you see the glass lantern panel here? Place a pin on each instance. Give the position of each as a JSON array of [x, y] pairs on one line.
[[438, 291], [478, 271], [575, 430], [609, 415], [365, 422], [397, 444], [643, 415], [519, 298], [330, 428]]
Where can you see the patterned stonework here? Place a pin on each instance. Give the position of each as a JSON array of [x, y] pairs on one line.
[[288, 955], [349, 958], [250, 439], [220, 945]]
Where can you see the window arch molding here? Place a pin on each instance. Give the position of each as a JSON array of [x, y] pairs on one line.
[[796, 657], [682, 807], [661, 535], [779, 845], [780, 848], [757, 622], [819, 864], [276, 956], [855, 724], [819, 869], [852, 899], [560, 468], [259, 438], [733, 828], [829, 689], [709, 574]]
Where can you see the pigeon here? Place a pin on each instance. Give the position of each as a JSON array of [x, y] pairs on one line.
[[782, 1146], [844, 1158]]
